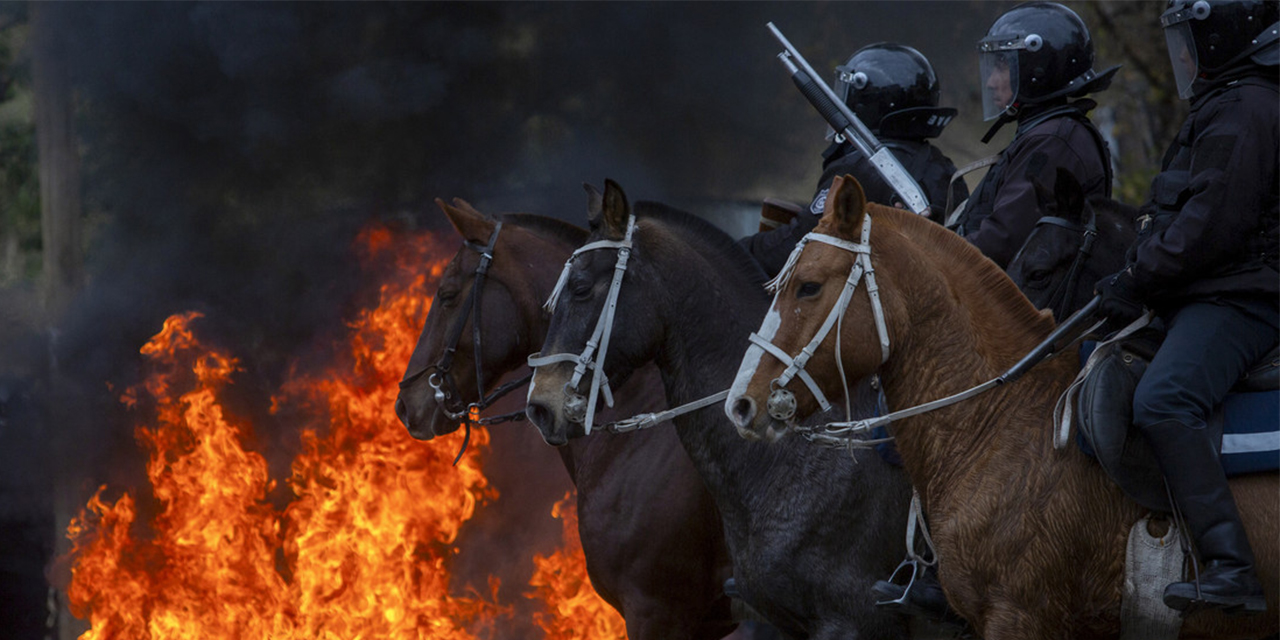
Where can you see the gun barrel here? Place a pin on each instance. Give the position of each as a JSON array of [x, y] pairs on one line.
[[842, 119]]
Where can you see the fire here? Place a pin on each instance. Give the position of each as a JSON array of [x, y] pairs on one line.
[[576, 612], [365, 546]]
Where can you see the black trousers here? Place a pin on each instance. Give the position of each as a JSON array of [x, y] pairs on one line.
[[1206, 349]]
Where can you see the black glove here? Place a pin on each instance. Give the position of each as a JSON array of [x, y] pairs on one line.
[[1121, 303]]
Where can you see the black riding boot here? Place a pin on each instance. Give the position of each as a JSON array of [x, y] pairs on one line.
[[1193, 470]]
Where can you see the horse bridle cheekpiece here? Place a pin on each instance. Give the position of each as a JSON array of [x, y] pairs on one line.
[[577, 408], [440, 376], [781, 404]]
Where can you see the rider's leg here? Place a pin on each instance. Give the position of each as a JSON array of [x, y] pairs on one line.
[[1207, 347]]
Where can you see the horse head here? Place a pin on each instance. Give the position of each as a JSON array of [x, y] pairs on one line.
[[1077, 242], [488, 281], [589, 356], [822, 309]]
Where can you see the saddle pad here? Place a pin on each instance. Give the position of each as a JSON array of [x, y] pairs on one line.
[[1249, 424], [1251, 432]]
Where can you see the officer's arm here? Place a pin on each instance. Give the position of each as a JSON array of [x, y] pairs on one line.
[[1233, 161]]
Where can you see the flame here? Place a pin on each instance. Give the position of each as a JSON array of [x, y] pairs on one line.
[[364, 548], [576, 612]]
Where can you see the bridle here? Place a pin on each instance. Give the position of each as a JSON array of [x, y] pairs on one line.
[[440, 376], [577, 408], [1064, 294], [782, 402]]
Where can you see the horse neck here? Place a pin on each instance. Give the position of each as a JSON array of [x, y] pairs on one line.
[[957, 348], [709, 311]]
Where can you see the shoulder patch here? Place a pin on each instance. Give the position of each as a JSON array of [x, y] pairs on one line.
[[819, 203]]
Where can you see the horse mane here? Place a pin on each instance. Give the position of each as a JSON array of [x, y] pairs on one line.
[[709, 237], [544, 225], [967, 268]]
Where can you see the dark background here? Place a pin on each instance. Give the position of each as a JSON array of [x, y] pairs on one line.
[[231, 151]]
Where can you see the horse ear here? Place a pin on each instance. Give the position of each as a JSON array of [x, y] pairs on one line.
[[595, 205], [1069, 195], [846, 202], [470, 223], [615, 211]]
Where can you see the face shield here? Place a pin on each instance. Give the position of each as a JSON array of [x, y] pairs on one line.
[[1181, 43], [998, 68]]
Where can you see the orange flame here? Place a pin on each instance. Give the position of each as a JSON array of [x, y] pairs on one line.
[[576, 612], [364, 549]]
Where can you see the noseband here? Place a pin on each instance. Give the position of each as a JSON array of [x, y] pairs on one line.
[[1064, 294], [440, 376], [578, 409], [782, 402]]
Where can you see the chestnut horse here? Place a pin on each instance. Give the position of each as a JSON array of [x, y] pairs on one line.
[[650, 532], [809, 528], [1030, 540], [1076, 243]]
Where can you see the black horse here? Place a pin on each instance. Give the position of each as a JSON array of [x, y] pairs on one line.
[[809, 528], [1078, 242], [650, 532]]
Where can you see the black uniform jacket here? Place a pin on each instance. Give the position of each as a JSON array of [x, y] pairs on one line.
[[1211, 225], [1004, 208]]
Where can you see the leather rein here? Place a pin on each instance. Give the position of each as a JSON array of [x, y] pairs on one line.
[[440, 375]]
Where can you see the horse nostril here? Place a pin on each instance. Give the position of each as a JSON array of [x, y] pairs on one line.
[[538, 414], [744, 410], [402, 411]]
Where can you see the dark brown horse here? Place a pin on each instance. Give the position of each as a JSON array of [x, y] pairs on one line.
[[650, 532], [1074, 245], [1031, 539], [809, 528]]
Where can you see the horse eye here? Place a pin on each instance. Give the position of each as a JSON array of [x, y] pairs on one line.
[[808, 289], [1038, 275], [581, 289], [447, 298]]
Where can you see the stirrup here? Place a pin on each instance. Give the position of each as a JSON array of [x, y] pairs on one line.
[[916, 569]]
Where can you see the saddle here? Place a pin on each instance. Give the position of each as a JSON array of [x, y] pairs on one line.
[[1246, 427]]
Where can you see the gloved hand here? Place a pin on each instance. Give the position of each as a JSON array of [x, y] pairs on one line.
[[1121, 302]]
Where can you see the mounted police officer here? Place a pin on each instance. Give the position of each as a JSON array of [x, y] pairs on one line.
[[1205, 261], [893, 90], [1035, 61]]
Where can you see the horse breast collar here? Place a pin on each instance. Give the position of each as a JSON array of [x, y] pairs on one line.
[[593, 354], [782, 403]]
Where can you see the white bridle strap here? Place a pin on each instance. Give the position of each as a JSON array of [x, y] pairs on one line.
[[590, 358], [861, 268]]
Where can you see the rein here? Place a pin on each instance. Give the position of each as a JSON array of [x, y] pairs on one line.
[[439, 375], [839, 434], [579, 409]]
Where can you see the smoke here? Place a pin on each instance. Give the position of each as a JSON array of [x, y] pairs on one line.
[[232, 151]]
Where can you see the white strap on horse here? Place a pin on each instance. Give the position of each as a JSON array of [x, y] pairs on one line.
[[862, 268], [646, 420], [590, 358], [1064, 409]]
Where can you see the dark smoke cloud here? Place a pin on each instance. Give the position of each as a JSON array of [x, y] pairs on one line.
[[232, 150]]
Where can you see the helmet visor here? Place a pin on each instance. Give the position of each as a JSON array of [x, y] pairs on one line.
[[1182, 53], [999, 72]]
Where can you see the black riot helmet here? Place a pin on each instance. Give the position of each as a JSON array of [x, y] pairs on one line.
[[1036, 52], [893, 90], [1211, 38]]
